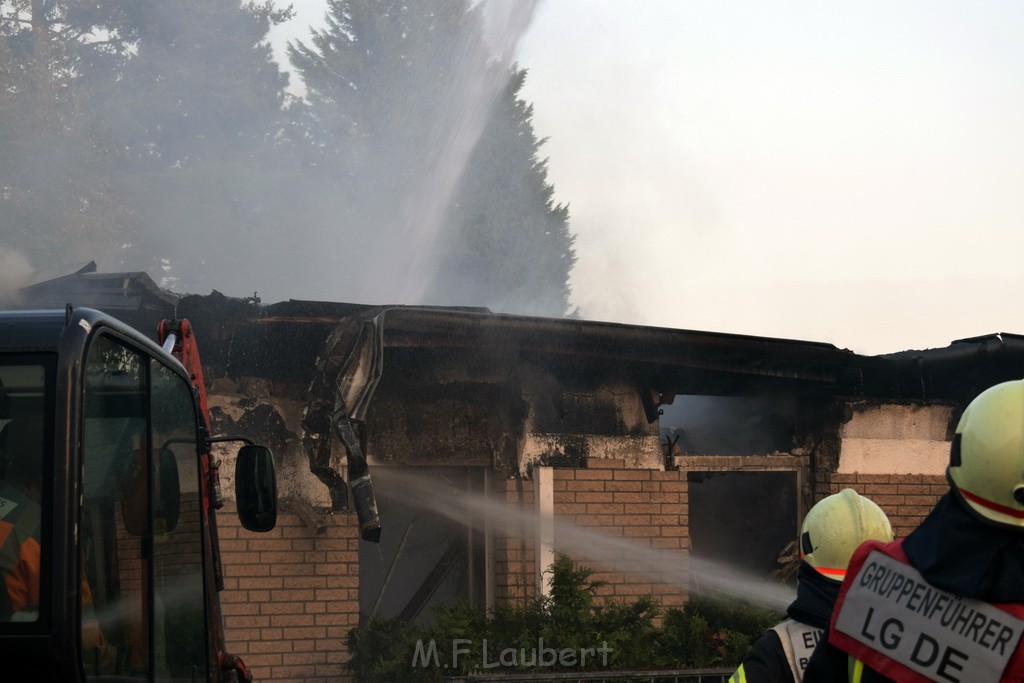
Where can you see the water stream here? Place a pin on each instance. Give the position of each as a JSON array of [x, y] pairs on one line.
[[630, 556], [479, 80]]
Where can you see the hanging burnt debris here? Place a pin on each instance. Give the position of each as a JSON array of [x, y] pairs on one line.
[[346, 376]]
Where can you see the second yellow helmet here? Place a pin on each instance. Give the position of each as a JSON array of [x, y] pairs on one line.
[[835, 526]]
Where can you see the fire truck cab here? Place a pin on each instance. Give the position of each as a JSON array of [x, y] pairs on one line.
[[108, 544]]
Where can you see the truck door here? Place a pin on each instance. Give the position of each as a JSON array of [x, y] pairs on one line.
[[143, 606]]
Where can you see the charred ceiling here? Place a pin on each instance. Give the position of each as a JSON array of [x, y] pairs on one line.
[[699, 362]]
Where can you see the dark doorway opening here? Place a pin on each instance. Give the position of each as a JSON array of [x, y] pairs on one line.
[[425, 559], [744, 519]]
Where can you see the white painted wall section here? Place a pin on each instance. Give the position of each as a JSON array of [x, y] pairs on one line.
[[895, 439]]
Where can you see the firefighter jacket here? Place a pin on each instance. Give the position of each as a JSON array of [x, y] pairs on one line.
[[945, 604], [19, 554], [20, 571], [782, 653]]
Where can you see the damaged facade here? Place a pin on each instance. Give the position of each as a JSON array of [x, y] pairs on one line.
[[687, 441]]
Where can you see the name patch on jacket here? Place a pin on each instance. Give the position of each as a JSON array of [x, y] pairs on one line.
[[893, 611]]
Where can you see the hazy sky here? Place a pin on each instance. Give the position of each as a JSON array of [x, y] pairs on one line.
[[848, 172]]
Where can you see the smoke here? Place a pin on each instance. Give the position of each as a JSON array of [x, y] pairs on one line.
[[15, 273], [731, 425], [357, 203], [192, 154]]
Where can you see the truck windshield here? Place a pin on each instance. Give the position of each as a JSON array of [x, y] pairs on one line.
[[26, 418]]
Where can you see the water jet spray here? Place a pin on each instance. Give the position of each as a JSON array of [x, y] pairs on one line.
[[621, 554]]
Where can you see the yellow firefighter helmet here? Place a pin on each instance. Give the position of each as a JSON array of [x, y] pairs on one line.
[[986, 462], [835, 526]]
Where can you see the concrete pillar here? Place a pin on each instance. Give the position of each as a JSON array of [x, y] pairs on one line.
[[544, 497]]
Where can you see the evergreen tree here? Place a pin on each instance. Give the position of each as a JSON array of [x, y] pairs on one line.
[[158, 136], [398, 96], [511, 248], [383, 81], [57, 200], [143, 135], [198, 112]]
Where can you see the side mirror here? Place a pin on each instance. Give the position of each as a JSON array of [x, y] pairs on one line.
[[256, 488]]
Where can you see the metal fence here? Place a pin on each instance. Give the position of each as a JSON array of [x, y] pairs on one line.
[[673, 676]]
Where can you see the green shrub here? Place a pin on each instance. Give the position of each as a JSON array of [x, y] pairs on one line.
[[736, 615], [703, 634], [382, 650]]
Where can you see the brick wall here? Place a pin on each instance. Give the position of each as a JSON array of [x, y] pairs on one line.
[[905, 498], [514, 556], [290, 596], [649, 507]]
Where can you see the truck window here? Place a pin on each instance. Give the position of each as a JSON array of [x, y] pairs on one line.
[[141, 524], [24, 417]]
